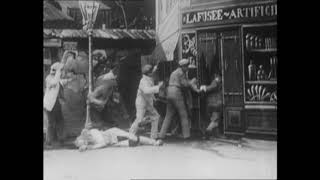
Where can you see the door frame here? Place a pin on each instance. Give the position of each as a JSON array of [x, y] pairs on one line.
[[219, 29]]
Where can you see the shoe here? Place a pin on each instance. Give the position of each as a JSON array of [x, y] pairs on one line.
[[187, 140], [133, 143], [222, 136], [206, 135], [159, 142]]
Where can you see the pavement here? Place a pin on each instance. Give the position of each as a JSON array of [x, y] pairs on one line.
[[198, 159]]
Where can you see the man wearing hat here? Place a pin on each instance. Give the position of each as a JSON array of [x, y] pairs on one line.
[[99, 99], [213, 104], [144, 101], [52, 106], [178, 84]]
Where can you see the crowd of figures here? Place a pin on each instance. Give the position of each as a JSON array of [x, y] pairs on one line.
[[104, 131]]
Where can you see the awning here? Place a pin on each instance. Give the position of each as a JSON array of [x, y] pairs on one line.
[[101, 33], [75, 4], [52, 43], [167, 36], [51, 13], [165, 51]]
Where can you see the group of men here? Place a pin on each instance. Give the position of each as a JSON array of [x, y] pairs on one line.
[[178, 89], [96, 137]]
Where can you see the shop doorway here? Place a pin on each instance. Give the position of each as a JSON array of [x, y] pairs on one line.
[[219, 52]]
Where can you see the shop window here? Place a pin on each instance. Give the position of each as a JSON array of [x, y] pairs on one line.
[[101, 19], [78, 16], [46, 53], [260, 62], [54, 54]]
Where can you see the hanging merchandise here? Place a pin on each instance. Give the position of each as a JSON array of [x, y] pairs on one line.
[[257, 93]]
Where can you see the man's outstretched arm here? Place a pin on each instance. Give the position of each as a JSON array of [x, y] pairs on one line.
[[92, 97]]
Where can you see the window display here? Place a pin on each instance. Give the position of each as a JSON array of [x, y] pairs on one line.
[[260, 61]]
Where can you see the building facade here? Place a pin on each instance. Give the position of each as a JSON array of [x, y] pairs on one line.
[[238, 38]]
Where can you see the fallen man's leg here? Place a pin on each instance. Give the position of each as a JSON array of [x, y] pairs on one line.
[[133, 139]]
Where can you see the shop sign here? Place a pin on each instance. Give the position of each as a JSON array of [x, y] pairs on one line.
[[52, 43], [70, 45], [241, 13]]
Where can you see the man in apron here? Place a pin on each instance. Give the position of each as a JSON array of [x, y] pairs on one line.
[[52, 106], [178, 85], [144, 102]]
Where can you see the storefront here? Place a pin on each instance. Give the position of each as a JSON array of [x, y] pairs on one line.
[[116, 43], [238, 39]]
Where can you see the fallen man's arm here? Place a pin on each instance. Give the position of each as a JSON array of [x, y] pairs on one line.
[[96, 146]]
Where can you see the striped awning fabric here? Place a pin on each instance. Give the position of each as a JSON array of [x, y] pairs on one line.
[[101, 33], [51, 13], [75, 4]]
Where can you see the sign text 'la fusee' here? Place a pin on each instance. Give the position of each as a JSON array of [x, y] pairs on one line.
[[231, 13]]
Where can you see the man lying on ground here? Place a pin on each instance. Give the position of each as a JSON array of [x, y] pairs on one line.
[[95, 139]]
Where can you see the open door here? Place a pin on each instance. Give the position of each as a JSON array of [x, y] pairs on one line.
[[209, 63], [232, 81]]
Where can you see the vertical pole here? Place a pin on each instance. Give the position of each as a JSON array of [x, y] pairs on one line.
[[88, 117]]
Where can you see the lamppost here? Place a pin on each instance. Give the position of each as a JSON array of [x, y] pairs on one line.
[[89, 11]]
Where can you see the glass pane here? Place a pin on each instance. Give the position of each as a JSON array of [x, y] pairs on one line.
[[260, 64]]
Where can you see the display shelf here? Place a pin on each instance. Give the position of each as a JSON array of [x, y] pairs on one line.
[[262, 82], [262, 106], [262, 50], [260, 103]]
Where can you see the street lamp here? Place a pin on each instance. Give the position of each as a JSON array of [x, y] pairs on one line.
[[89, 11]]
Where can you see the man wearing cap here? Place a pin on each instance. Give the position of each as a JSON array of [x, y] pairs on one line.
[[101, 95], [144, 102], [214, 104], [110, 75], [52, 105], [178, 84]]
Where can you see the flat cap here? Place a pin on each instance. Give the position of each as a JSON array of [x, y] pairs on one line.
[[146, 69]]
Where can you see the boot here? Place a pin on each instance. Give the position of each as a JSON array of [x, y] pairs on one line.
[[206, 135]]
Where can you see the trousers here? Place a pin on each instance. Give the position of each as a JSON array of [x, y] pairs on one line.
[[142, 110], [55, 124], [175, 104]]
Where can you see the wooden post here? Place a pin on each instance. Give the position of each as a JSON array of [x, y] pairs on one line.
[[88, 117]]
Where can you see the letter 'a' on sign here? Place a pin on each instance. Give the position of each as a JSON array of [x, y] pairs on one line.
[[89, 11]]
